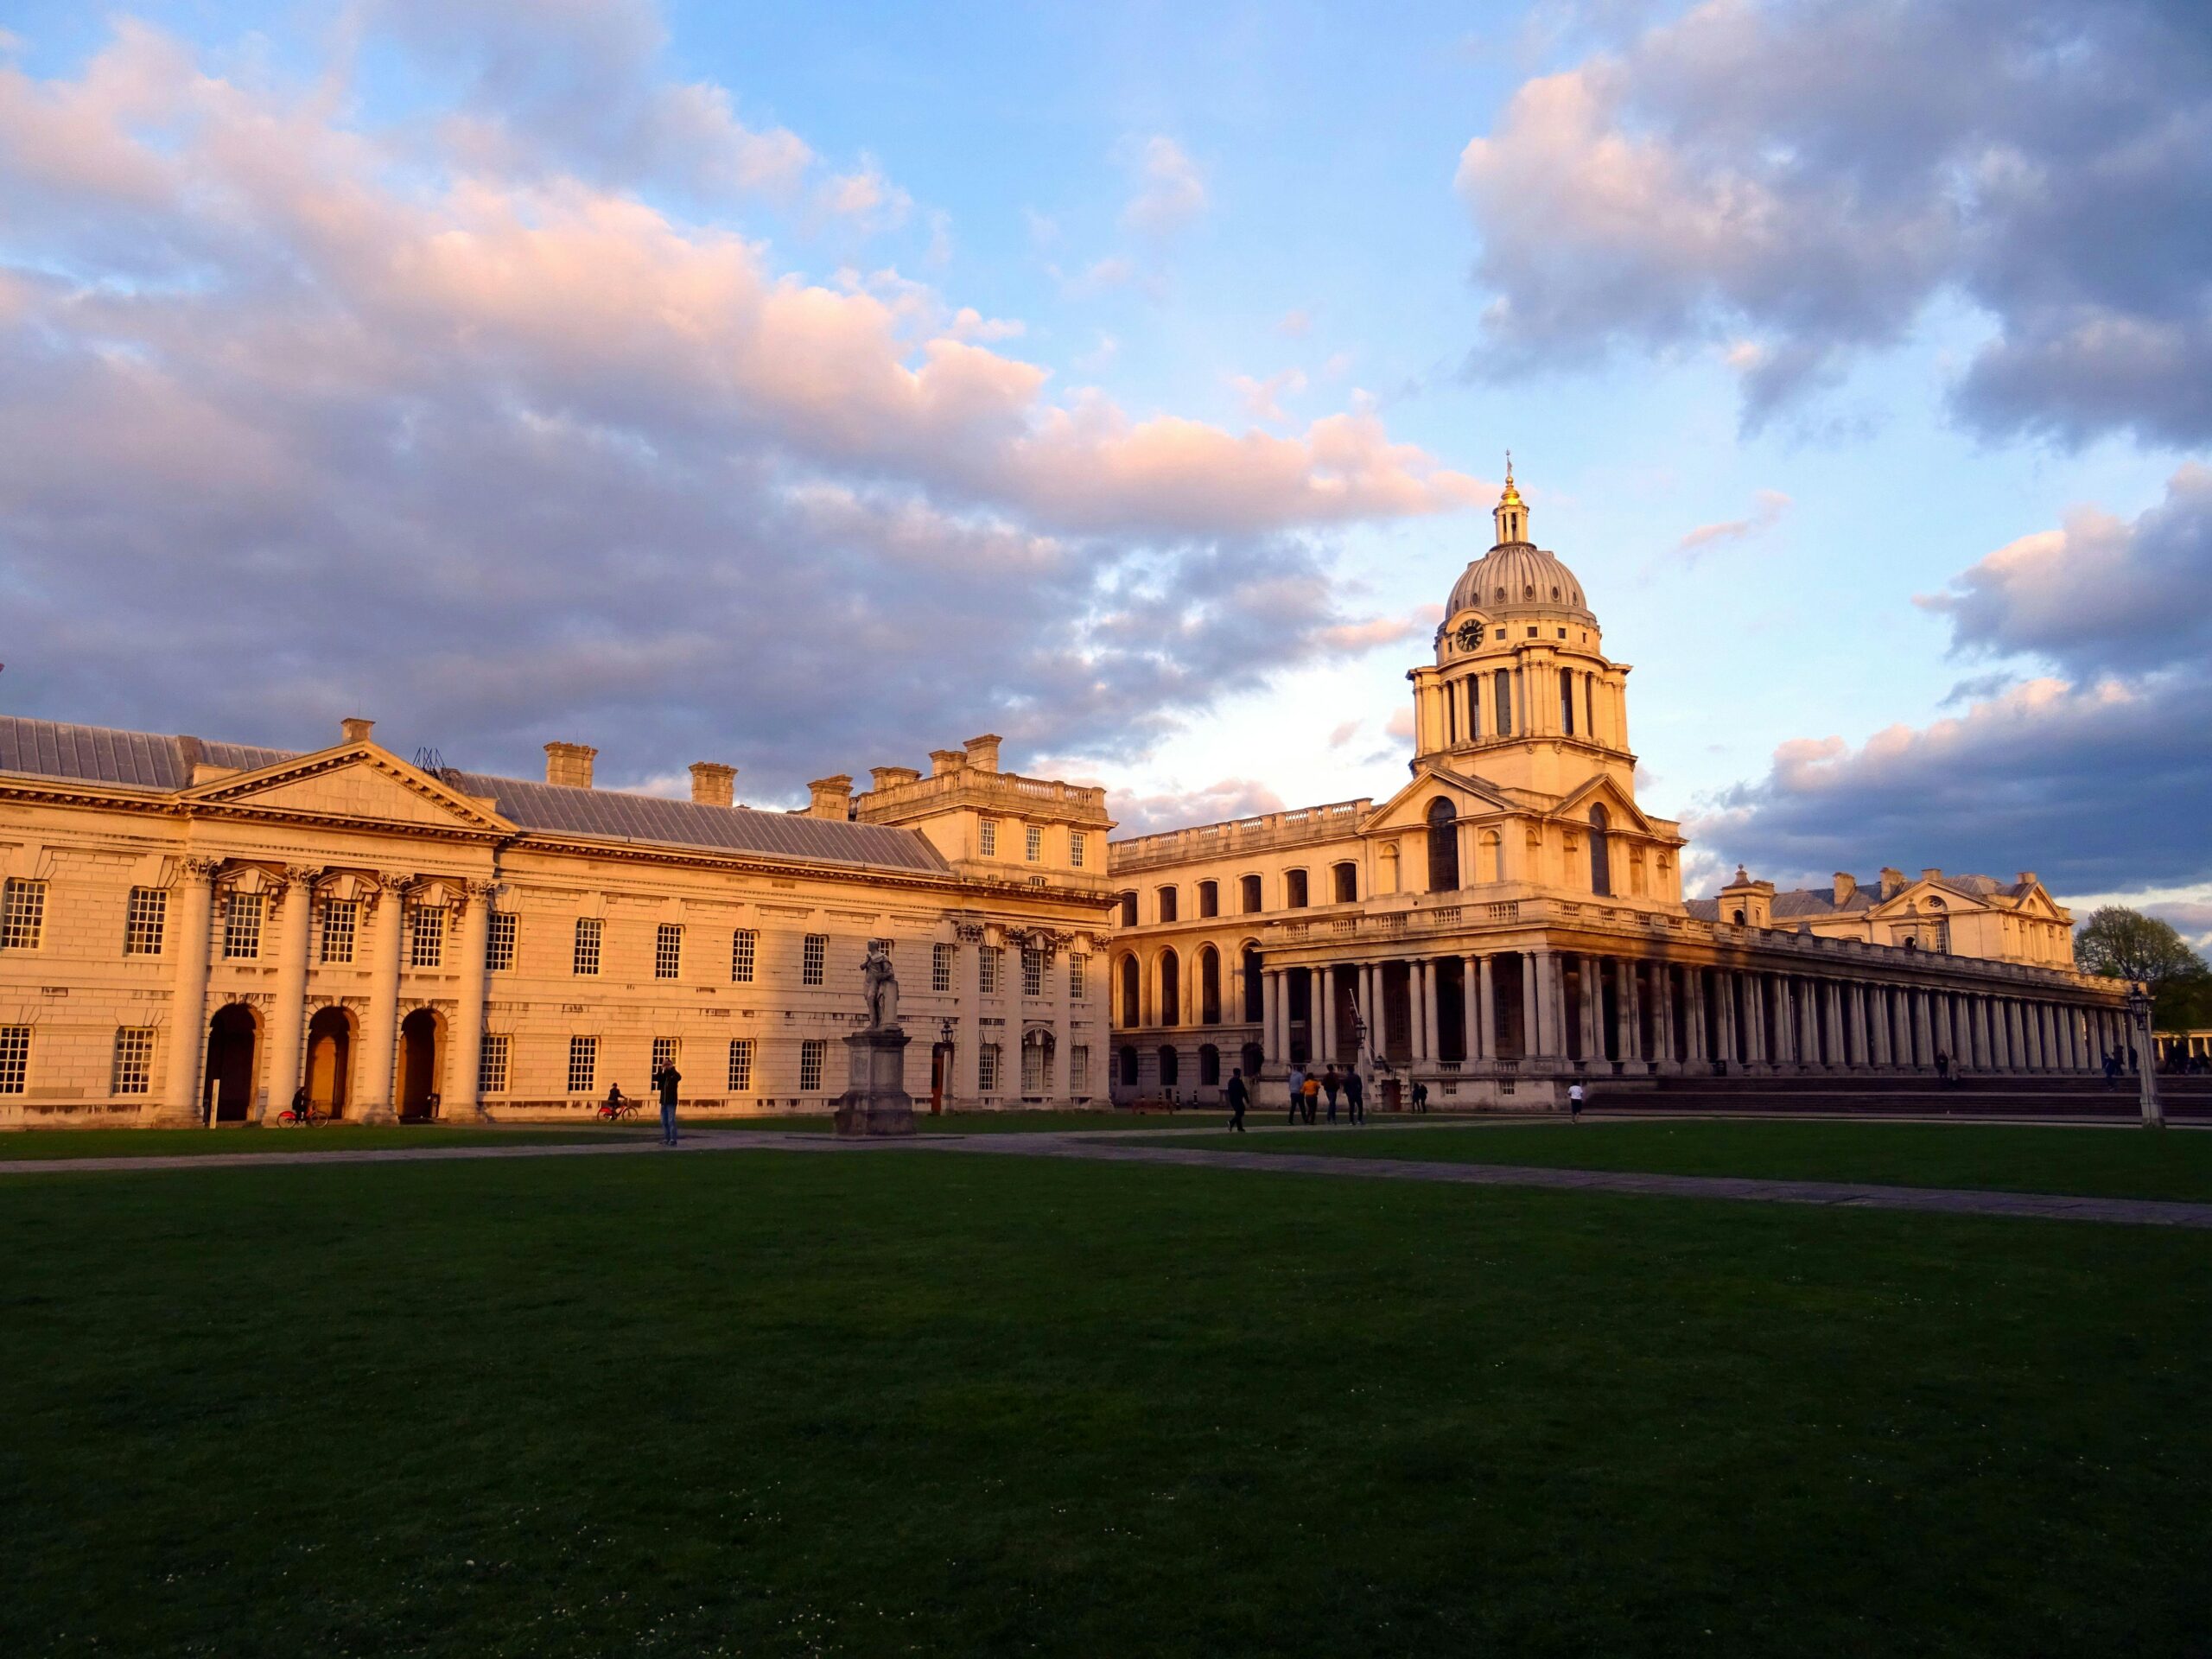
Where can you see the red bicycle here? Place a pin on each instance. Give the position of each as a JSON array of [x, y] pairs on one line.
[[619, 1107], [307, 1114]]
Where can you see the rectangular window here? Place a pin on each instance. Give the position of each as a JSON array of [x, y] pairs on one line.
[[743, 945], [1076, 966], [1078, 1071], [1451, 717], [242, 927], [492, 1069], [941, 967], [987, 1069], [987, 962], [810, 1064], [1166, 897], [14, 1058], [1567, 702], [133, 1072], [1209, 899], [339, 918], [427, 941], [583, 1064], [587, 956], [1128, 910], [500, 943], [145, 921], [814, 959], [1248, 894], [1033, 971], [22, 918], [1033, 1067], [1074, 849], [1502, 703], [741, 1065], [987, 838], [1293, 890], [668, 952], [1474, 706], [1032, 846], [663, 1053]]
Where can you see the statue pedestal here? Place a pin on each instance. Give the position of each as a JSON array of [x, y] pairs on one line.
[[876, 1101]]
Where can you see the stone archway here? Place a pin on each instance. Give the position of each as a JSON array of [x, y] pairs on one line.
[[421, 1044], [330, 1060], [234, 1065]]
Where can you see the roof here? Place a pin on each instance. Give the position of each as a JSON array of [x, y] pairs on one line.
[[1801, 902], [154, 762]]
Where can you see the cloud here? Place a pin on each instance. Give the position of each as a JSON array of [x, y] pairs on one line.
[[866, 198], [1376, 631], [1262, 397], [1150, 815], [1295, 324], [1400, 724], [1782, 178], [501, 455], [1343, 733], [1171, 193], [1767, 508], [2190, 917]]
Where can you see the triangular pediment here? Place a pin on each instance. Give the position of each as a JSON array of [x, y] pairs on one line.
[[1470, 797], [358, 783], [1601, 791], [1912, 895]]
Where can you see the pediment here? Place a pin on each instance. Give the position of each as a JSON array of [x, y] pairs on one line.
[[1907, 900], [358, 784], [1619, 804], [1470, 797]]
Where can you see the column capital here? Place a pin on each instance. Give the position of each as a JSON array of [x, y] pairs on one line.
[[195, 868]]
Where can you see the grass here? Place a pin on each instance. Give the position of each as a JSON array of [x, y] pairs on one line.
[[2007, 1158], [931, 1403]]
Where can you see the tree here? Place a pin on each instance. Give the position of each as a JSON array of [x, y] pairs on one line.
[[2126, 944]]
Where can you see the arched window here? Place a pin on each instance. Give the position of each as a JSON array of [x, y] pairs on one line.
[[1167, 905], [1209, 987], [1443, 846], [1501, 701], [1209, 1066], [1171, 989], [1248, 894], [1256, 989], [1132, 1004], [1293, 890], [1209, 898], [1346, 877], [1171, 1068], [1601, 860], [1493, 864], [1387, 867], [1740, 916]]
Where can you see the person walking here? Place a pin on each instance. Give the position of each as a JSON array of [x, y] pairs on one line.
[[665, 1080], [1313, 1095], [1331, 1085], [1239, 1098], [2112, 1068], [1942, 1068], [1356, 1099], [1297, 1090], [1574, 1101], [1420, 1098]]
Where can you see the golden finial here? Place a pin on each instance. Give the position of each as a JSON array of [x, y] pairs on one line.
[[1512, 497]]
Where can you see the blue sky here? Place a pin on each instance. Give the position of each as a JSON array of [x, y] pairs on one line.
[[434, 301]]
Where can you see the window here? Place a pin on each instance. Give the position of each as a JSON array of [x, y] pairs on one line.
[[1078, 1071], [1293, 896], [1166, 904], [1074, 849], [23, 919], [1076, 976], [663, 1053], [741, 1065], [1128, 910], [1130, 1011], [1567, 703], [492, 1068], [743, 945], [987, 838], [1209, 987], [144, 922], [1171, 1069], [1171, 989], [1601, 864], [1128, 1057], [1036, 1063], [941, 967], [1501, 701], [1209, 898], [583, 1063], [1033, 971], [1451, 716], [1345, 882], [339, 918], [499, 942], [1474, 706], [586, 955], [987, 1069], [133, 1072], [668, 952], [242, 927], [1209, 1066], [988, 960], [814, 959], [1249, 895], [1256, 989], [810, 1064], [1033, 843], [1443, 846], [427, 942], [14, 1056]]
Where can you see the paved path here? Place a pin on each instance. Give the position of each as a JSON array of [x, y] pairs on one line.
[[1109, 1146]]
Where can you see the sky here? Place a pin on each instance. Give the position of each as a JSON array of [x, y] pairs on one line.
[[808, 387]]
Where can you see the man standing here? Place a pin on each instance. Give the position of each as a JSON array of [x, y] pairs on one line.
[[1574, 1101], [1331, 1085], [1355, 1097], [1239, 1097], [665, 1080], [1297, 1089]]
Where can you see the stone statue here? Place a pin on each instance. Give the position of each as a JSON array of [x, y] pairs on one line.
[[883, 987]]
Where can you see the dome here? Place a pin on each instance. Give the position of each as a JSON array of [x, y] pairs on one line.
[[1518, 576]]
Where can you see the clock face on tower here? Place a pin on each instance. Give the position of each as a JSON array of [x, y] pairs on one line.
[[1470, 635]]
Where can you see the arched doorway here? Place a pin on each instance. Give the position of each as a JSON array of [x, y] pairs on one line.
[[330, 1057], [421, 1036], [233, 1063]]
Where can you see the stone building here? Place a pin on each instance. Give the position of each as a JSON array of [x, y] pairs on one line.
[[190, 931], [1512, 918]]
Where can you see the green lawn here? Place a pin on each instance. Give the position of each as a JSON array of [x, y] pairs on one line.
[[2099, 1162], [938, 1404]]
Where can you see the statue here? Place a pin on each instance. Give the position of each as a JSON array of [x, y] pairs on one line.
[[883, 987]]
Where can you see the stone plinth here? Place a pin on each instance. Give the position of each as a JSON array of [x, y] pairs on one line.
[[876, 1101]]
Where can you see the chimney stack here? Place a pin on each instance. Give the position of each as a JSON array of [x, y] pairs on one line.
[[1932, 875], [569, 764], [1844, 886], [984, 751], [1892, 882], [2027, 878], [356, 730], [832, 798], [945, 761], [892, 777], [714, 784]]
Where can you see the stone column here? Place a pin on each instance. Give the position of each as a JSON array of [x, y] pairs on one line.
[[1486, 1008], [187, 1032], [1632, 1007], [380, 1030], [465, 1042], [1663, 1036], [1470, 1008], [968, 1056], [1724, 1022], [1831, 1012], [2016, 1052], [1533, 1021], [1701, 1023], [1433, 1049], [1269, 1054], [1324, 1022], [1785, 1021], [288, 1018]]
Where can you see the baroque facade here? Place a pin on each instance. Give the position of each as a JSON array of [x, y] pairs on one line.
[[191, 931], [1512, 919]]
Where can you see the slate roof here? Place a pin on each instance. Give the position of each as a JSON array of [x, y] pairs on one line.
[[1801, 902], [151, 761]]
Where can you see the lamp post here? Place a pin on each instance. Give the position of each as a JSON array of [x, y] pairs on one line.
[[2146, 1055]]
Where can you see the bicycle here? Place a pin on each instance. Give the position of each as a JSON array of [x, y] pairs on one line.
[[307, 1114]]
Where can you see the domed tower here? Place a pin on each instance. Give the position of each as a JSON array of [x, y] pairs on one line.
[[1521, 693]]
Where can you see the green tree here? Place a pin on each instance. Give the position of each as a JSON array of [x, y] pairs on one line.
[[2128, 944]]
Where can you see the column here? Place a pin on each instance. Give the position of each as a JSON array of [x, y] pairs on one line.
[[1700, 1025], [1809, 1020], [1470, 1019], [1535, 1016], [1984, 1057], [1632, 1008], [1832, 1008], [1056, 1065], [1324, 1021], [465, 1044], [1662, 1010], [288, 1018], [1784, 1021], [1432, 1050], [1486, 1008], [968, 1056], [2016, 1053], [187, 1034], [380, 1030], [1724, 1031]]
